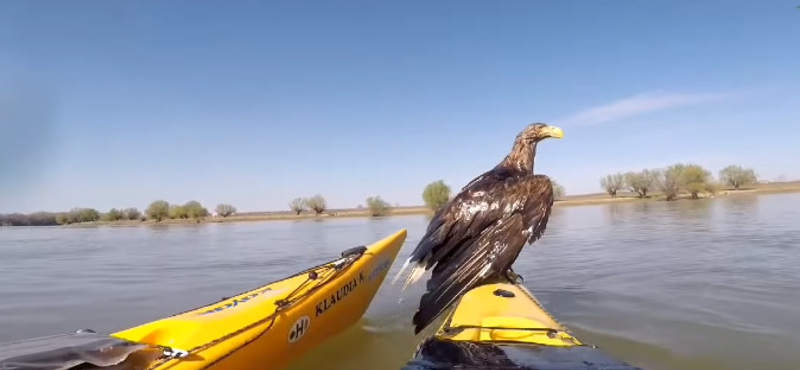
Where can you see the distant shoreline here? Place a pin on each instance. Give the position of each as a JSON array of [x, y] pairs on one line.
[[569, 201]]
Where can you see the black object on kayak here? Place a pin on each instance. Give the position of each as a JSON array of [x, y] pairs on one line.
[[437, 354]]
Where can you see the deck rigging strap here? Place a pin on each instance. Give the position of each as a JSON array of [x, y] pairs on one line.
[[550, 332]]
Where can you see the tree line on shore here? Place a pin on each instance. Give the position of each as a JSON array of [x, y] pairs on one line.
[[434, 196], [158, 210], [670, 181], [677, 179]]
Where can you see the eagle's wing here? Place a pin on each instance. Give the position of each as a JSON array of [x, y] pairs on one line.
[[488, 255]]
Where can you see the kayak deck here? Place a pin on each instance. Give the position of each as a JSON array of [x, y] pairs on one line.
[[503, 326], [503, 313]]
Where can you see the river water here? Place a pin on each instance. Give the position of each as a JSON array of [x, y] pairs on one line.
[[705, 284]]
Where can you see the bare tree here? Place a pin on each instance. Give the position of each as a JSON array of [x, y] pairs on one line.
[[641, 182], [612, 183], [737, 176], [669, 181], [317, 204], [225, 210], [297, 205], [377, 206], [132, 214]]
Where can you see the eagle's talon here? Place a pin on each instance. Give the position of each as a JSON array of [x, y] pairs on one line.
[[514, 277]]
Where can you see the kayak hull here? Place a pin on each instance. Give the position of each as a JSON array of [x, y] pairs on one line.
[[245, 331], [503, 326], [266, 327]]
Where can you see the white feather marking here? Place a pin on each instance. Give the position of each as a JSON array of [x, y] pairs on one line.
[[472, 208], [397, 277], [466, 210], [484, 270], [512, 206], [415, 274]]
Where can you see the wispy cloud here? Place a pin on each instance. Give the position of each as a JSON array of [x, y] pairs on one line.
[[640, 104]]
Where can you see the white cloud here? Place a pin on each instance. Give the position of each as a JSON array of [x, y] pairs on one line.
[[640, 104]]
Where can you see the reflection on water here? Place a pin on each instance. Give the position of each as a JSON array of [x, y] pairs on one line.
[[692, 284], [617, 214], [739, 209]]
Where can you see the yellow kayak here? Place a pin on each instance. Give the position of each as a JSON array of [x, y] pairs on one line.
[[264, 328], [503, 326]]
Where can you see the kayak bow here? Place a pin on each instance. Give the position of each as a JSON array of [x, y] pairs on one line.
[[503, 326], [266, 327]]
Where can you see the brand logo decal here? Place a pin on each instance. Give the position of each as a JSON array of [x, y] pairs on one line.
[[379, 268], [267, 292], [299, 329]]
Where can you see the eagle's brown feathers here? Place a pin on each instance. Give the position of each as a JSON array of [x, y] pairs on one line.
[[478, 234]]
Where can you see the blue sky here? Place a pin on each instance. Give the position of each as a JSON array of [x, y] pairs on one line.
[[115, 104]]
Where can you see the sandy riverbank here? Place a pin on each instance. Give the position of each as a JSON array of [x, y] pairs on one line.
[[600, 198]]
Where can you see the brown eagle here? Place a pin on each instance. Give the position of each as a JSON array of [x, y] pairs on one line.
[[477, 236]]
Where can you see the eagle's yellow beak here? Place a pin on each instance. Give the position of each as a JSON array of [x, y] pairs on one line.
[[553, 131]]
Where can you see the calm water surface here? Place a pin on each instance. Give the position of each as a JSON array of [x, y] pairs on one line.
[[707, 284]]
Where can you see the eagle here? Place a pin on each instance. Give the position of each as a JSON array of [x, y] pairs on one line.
[[477, 235]]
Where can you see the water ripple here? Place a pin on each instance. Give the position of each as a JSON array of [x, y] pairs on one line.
[[707, 284]]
